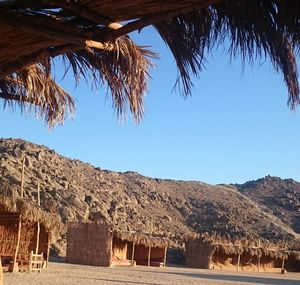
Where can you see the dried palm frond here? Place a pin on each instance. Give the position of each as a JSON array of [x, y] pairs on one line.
[[259, 29], [34, 90], [187, 37], [252, 29], [122, 66], [86, 34]]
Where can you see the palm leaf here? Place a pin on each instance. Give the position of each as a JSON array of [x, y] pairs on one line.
[[34, 91], [254, 29]]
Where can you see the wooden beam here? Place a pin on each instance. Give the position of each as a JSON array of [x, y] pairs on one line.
[[132, 254], [35, 24], [27, 60], [149, 256], [60, 33], [155, 18], [15, 264], [22, 177], [82, 11]]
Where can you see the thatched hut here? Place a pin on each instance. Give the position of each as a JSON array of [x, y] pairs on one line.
[[89, 37], [24, 228], [217, 253], [99, 244]]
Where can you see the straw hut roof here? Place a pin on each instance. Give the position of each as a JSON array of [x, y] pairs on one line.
[[29, 211], [143, 239], [91, 38], [280, 250], [295, 254]]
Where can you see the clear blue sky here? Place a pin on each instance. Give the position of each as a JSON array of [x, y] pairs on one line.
[[236, 126]]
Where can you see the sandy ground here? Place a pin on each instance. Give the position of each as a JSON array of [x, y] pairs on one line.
[[67, 274]]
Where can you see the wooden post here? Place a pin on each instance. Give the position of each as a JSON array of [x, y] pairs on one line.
[[165, 256], [15, 264], [1, 273], [149, 252], [282, 265], [149, 256], [48, 250], [258, 261], [151, 228], [132, 254], [38, 194], [238, 262], [30, 261], [38, 224], [37, 238], [22, 177]]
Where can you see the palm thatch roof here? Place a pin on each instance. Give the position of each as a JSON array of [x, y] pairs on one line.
[[29, 211], [143, 239], [91, 38], [279, 250]]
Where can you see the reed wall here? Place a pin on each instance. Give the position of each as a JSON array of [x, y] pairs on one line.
[[89, 244]]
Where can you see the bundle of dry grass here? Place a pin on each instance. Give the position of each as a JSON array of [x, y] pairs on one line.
[[89, 38], [144, 239]]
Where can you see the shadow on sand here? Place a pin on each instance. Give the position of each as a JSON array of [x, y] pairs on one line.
[[235, 278], [109, 280]]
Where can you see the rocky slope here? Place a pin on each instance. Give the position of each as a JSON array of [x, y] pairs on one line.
[[280, 197], [78, 191]]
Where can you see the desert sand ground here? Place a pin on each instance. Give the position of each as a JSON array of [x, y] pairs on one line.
[[67, 274]]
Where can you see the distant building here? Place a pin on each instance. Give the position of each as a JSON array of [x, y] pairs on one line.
[[215, 253], [100, 245]]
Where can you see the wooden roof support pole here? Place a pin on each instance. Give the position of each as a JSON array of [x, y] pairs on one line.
[[282, 264], [48, 250], [258, 257], [238, 262], [283, 271], [1, 273], [38, 194], [165, 256], [38, 224], [30, 261], [149, 256], [132, 254], [38, 229], [15, 264], [22, 177]]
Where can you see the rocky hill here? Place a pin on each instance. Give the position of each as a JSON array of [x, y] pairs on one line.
[[78, 191], [279, 197]]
